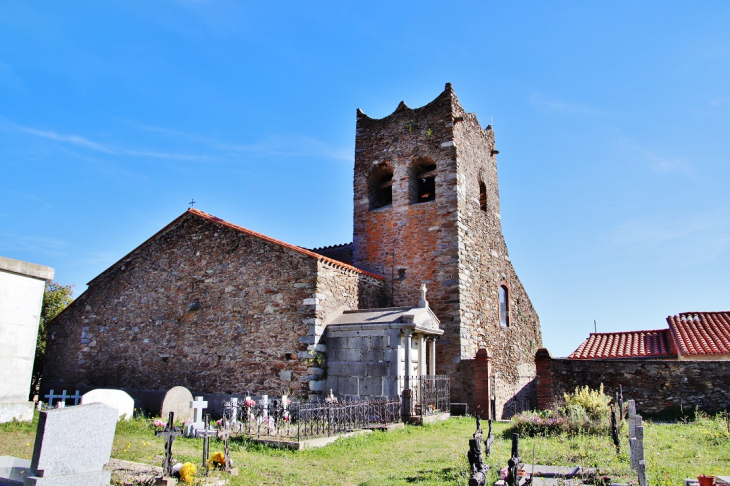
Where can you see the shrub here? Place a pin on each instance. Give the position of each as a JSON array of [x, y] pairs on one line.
[[593, 402], [585, 411]]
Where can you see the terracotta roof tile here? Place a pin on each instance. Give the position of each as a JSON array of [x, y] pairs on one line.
[[298, 249], [631, 344], [701, 333]]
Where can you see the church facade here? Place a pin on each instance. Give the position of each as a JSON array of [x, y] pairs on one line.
[[222, 309]]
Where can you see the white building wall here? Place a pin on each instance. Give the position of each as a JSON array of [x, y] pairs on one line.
[[21, 298]]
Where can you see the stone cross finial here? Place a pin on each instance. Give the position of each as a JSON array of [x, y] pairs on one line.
[[423, 302]]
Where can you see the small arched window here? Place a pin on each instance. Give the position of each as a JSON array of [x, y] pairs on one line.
[[380, 187], [423, 181], [482, 196], [504, 305]]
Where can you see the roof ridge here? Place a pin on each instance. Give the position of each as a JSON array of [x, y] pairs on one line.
[[283, 244], [626, 332], [330, 246]]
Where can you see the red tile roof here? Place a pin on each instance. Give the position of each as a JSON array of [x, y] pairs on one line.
[[298, 249], [701, 333], [632, 344]]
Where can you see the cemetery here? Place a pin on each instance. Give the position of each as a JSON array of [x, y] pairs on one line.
[[238, 447]]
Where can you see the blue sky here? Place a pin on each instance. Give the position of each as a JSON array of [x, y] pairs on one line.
[[611, 119]]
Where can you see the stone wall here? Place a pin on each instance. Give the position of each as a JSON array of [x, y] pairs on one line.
[[337, 289], [485, 266], [448, 242], [199, 304], [655, 384], [363, 362]]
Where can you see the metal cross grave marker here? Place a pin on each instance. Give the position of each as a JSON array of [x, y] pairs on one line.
[[169, 434]]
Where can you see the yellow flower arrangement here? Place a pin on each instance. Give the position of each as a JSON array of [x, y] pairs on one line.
[[217, 459], [187, 473]]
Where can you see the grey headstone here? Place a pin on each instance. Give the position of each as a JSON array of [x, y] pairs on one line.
[[72, 445], [114, 398], [178, 400]]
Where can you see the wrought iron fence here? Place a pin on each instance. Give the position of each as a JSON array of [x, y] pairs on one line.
[[304, 420], [429, 394]]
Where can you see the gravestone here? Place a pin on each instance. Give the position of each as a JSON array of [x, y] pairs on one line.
[[72, 445], [197, 427], [169, 433], [177, 400], [114, 398]]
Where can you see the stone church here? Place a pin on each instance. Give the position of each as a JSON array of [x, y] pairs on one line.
[[426, 282]]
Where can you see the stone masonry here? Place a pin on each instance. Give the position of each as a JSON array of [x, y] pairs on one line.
[[655, 384], [206, 305], [450, 240]]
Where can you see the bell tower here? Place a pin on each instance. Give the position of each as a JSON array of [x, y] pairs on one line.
[[426, 210]]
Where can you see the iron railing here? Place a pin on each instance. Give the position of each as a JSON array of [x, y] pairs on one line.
[[304, 420], [430, 394]]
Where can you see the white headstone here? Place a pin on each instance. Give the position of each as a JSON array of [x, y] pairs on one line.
[[177, 400], [198, 405], [114, 398], [198, 425]]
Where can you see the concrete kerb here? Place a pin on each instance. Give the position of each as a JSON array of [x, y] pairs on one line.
[[308, 443], [428, 419]]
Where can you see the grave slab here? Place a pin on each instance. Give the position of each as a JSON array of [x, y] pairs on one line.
[[177, 400], [72, 446], [13, 471], [117, 399]]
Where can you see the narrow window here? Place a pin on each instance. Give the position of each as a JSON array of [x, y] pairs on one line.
[[483, 196], [380, 187], [503, 306], [423, 181]]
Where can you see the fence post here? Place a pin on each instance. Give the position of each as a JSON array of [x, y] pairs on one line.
[[640, 464], [482, 373], [406, 411]]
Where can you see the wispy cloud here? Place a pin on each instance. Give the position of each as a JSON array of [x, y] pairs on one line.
[[657, 162], [210, 148], [562, 106], [8, 77], [72, 139], [83, 142], [13, 242], [683, 240], [719, 101], [290, 144]]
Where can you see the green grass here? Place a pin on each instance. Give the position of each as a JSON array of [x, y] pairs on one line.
[[429, 455]]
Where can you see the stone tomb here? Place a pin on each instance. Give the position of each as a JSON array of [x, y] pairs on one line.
[[177, 400], [114, 398], [72, 445], [372, 352]]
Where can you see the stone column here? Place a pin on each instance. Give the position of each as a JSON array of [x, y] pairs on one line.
[[422, 355], [544, 380], [432, 356], [408, 334], [482, 375]]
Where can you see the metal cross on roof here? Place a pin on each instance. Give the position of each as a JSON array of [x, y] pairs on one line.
[[192, 203]]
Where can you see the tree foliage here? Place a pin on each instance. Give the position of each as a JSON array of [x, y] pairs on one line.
[[56, 298]]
